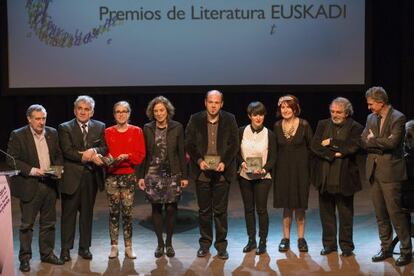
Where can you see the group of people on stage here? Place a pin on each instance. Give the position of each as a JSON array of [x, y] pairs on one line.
[[122, 157]]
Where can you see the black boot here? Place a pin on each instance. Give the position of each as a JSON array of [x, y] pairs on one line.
[[262, 247], [251, 244], [302, 245], [284, 245]]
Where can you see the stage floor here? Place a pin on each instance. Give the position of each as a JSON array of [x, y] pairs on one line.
[[185, 242]]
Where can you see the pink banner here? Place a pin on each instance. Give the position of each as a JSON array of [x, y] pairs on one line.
[[6, 230]]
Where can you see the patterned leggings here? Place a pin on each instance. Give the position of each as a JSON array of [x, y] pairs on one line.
[[120, 192]]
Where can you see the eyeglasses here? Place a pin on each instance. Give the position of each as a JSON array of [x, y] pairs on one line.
[[121, 111]]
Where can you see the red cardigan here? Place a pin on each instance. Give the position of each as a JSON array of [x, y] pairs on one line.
[[130, 142]]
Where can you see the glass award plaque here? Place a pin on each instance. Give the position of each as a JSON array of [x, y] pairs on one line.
[[212, 161], [108, 160], [55, 172], [253, 164]]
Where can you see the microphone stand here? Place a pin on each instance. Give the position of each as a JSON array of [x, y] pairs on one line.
[[12, 172]]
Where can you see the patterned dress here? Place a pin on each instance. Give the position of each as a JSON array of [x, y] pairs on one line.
[[161, 186]]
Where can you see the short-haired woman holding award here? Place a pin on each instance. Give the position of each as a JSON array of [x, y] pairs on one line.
[[257, 157]]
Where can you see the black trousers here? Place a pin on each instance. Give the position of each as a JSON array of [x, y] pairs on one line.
[[328, 205], [254, 195], [82, 201], [386, 197], [212, 200], [44, 202]]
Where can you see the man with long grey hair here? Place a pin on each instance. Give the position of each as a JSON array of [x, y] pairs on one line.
[[336, 174]]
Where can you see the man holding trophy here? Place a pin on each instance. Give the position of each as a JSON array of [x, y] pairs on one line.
[[36, 152], [212, 143]]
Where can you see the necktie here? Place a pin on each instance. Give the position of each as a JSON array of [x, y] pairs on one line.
[[379, 124], [84, 135]]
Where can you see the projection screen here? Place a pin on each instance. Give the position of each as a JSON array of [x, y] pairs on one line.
[[116, 43]]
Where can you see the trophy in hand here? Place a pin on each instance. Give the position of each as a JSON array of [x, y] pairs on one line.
[[55, 172], [108, 160], [253, 164], [212, 161]]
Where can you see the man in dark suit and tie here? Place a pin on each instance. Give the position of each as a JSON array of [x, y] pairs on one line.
[[212, 142], [385, 169], [35, 148], [82, 142]]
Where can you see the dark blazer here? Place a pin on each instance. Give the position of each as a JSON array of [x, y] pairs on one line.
[[175, 148], [409, 149], [22, 147], [271, 150], [71, 142], [409, 138], [386, 148], [196, 141], [407, 189], [349, 179]]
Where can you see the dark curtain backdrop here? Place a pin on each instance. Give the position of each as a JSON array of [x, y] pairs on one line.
[[390, 59]]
